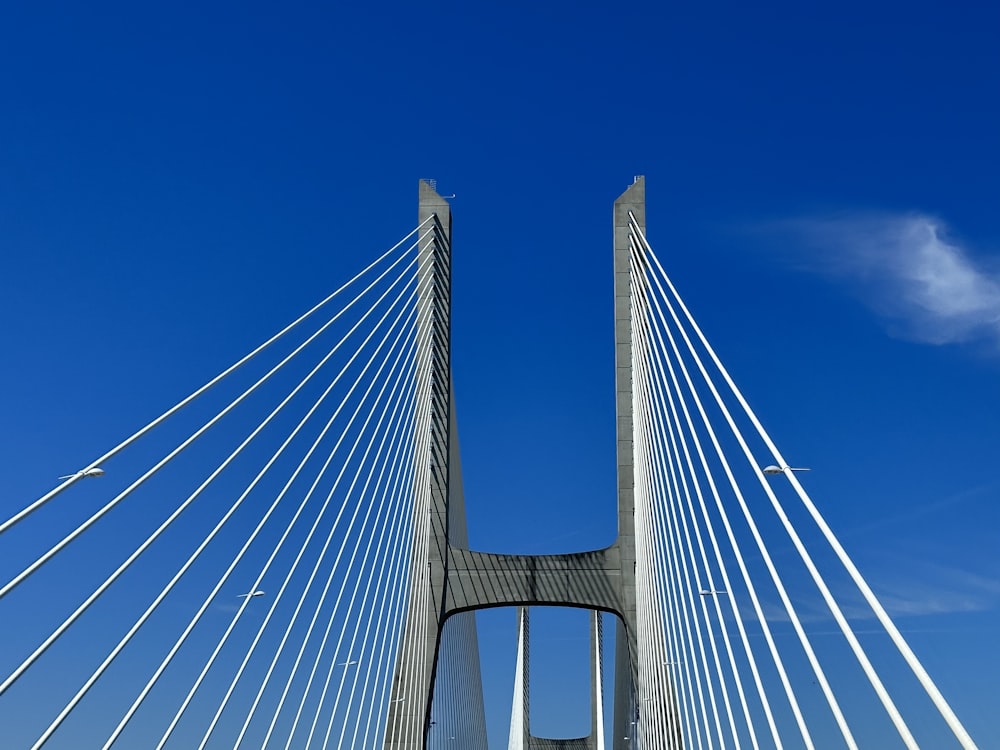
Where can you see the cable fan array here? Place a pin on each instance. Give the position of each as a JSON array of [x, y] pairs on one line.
[[458, 717], [281, 596], [256, 601], [726, 659]]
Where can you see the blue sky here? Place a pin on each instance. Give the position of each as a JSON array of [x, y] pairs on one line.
[[177, 181]]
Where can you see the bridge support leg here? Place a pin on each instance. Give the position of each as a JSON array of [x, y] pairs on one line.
[[632, 201], [410, 703], [597, 680]]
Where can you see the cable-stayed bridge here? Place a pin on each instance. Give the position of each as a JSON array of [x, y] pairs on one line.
[[281, 559]]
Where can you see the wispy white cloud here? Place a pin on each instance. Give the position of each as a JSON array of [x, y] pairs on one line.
[[906, 267], [939, 506], [967, 593], [925, 588]]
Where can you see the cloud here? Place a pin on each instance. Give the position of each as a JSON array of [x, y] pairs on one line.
[[915, 588], [926, 286], [947, 503], [927, 588], [927, 600]]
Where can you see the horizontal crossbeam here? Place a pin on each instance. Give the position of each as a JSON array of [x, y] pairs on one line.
[[480, 580]]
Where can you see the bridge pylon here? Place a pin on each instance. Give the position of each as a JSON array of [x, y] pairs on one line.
[[521, 737], [448, 579]]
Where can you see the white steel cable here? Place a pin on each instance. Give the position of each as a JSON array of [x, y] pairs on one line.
[[418, 602], [642, 558], [332, 660], [377, 431], [41, 649], [657, 593], [419, 677], [711, 593], [349, 615], [320, 650], [824, 684], [405, 674], [655, 601], [683, 564], [417, 668], [398, 524], [245, 493], [391, 597], [646, 568], [308, 634], [322, 645], [751, 589], [752, 592], [9, 523], [675, 603], [177, 512], [647, 577], [365, 641], [737, 618], [669, 541], [21, 577], [383, 585], [782, 593], [400, 604], [437, 390], [674, 428], [804, 555], [409, 567], [681, 528], [667, 432], [464, 641], [400, 589], [351, 646], [415, 602], [668, 591], [280, 496], [363, 493], [124, 566], [652, 717], [924, 678]]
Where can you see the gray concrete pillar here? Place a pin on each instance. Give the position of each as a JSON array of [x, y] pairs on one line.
[[631, 201], [410, 705]]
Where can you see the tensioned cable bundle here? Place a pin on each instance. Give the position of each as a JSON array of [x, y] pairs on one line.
[[456, 717], [725, 560], [249, 601]]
